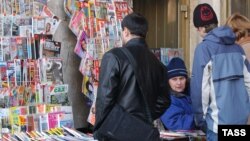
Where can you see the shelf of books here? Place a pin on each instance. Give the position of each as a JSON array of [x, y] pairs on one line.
[[34, 103]]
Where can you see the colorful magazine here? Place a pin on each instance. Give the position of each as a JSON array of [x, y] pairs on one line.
[[51, 48], [81, 45], [54, 70], [3, 74], [76, 23], [54, 120], [66, 120], [43, 122]]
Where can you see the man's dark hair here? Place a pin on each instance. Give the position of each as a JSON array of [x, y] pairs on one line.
[[210, 27], [136, 24]]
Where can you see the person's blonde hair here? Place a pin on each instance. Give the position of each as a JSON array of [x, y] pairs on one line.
[[240, 25]]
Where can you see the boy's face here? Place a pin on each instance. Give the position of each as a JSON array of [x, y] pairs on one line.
[[178, 83]]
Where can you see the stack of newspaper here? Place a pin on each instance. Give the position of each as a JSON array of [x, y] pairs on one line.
[[182, 134], [56, 134]]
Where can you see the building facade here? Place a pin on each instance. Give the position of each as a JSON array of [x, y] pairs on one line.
[[171, 21]]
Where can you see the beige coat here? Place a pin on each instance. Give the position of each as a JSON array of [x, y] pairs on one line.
[[245, 44]]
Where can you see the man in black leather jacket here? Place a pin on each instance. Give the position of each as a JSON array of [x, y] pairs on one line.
[[118, 83]]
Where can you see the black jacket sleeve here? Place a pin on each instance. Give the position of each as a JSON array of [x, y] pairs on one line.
[[107, 87]]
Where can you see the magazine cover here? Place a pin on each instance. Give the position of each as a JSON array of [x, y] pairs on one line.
[[18, 73], [20, 98], [11, 74], [106, 44], [45, 25], [58, 94], [59, 99], [24, 71], [38, 7], [81, 45], [1, 50], [3, 74], [76, 23], [111, 28], [87, 87], [46, 12], [43, 122], [84, 5], [38, 25], [92, 49], [13, 48], [25, 31], [99, 49], [157, 52], [66, 120], [121, 9], [23, 122], [2, 104], [174, 52], [101, 10], [15, 7], [25, 8], [91, 9], [37, 47], [22, 26], [1, 25], [7, 7], [118, 41], [91, 116], [164, 57], [6, 126], [30, 123], [54, 119], [14, 120], [51, 25], [96, 70], [70, 6], [51, 48], [1, 7], [54, 70], [33, 72], [6, 97], [101, 29], [30, 48], [168, 53], [86, 65], [21, 48], [6, 42], [7, 26]]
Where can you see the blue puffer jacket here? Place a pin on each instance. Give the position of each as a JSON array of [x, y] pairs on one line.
[[179, 115]]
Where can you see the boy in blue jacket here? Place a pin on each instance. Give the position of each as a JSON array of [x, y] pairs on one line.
[[220, 81], [179, 115]]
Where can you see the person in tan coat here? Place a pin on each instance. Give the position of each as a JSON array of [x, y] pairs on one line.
[[241, 27]]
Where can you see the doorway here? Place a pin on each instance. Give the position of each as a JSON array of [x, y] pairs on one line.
[[168, 23]]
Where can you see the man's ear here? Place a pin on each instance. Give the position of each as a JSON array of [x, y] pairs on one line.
[[126, 32]]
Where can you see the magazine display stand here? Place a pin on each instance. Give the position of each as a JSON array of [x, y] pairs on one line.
[[97, 26], [33, 96]]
